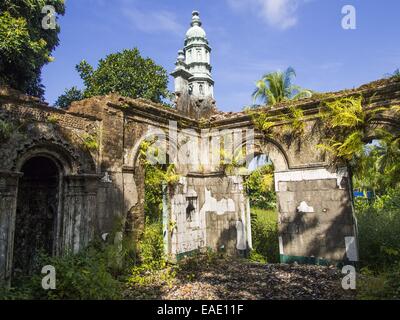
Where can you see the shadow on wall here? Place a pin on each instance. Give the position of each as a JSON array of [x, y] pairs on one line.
[[321, 235], [64, 199]]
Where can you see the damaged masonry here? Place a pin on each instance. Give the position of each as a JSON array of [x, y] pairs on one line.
[[82, 188]]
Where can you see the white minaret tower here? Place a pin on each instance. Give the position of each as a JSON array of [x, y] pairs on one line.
[[193, 68]]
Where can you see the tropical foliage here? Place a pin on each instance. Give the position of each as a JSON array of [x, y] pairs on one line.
[[25, 47], [260, 187], [264, 217], [293, 121], [348, 126], [377, 168], [379, 242], [276, 87], [86, 275], [379, 225], [263, 121], [157, 177]]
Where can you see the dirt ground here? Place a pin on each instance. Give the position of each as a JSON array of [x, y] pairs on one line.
[[244, 280]]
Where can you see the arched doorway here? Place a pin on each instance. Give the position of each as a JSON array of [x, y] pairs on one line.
[[262, 201], [37, 211]]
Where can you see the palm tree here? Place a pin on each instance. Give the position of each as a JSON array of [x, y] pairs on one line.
[[277, 86], [388, 151]]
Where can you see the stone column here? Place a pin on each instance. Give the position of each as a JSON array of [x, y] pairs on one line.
[[79, 211], [166, 216], [316, 222], [8, 207]]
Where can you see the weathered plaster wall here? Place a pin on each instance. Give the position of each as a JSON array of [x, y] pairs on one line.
[[315, 215], [219, 219], [103, 186]]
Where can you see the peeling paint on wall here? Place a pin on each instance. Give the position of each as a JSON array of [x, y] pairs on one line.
[[314, 174], [305, 208], [220, 207]]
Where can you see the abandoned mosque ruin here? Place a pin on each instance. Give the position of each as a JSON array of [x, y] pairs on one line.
[[58, 191]]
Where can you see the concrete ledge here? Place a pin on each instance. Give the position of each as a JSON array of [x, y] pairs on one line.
[[314, 261]]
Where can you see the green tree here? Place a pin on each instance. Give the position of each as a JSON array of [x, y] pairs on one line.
[[277, 86], [260, 187], [25, 46], [69, 96], [126, 73], [378, 168]]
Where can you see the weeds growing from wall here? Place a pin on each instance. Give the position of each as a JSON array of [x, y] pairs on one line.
[[90, 141], [6, 131]]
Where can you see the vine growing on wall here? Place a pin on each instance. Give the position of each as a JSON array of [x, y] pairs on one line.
[[293, 119], [348, 126], [156, 176], [6, 131], [232, 162], [90, 141], [262, 121]]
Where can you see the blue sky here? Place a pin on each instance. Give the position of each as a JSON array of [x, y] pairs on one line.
[[248, 38]]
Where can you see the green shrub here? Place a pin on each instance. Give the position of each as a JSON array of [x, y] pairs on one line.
[[378, 226], [151, 257], [381, 286], [151, 246], [379, 246], [265, 236], [85, 276]]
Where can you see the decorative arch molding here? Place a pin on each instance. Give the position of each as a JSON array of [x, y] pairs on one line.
[[41, 138], [271, 148], [63, 162], [132, 155], [275, 152]]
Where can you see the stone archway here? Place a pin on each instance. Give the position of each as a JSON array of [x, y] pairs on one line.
[[37, 215], [262, 208]]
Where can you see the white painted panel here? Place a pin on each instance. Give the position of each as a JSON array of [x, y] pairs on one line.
[[305, 175], [351, 248], [241, 239], [280, 245]]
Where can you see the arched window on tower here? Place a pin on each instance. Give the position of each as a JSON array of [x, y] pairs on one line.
[[201, 89]]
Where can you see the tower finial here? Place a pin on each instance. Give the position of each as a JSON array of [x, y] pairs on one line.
[[196, 19]]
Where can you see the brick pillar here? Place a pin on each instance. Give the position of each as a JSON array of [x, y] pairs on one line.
[[8, 207]]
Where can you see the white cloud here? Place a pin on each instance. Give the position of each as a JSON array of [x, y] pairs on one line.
[[154, 21], [281, 14]]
